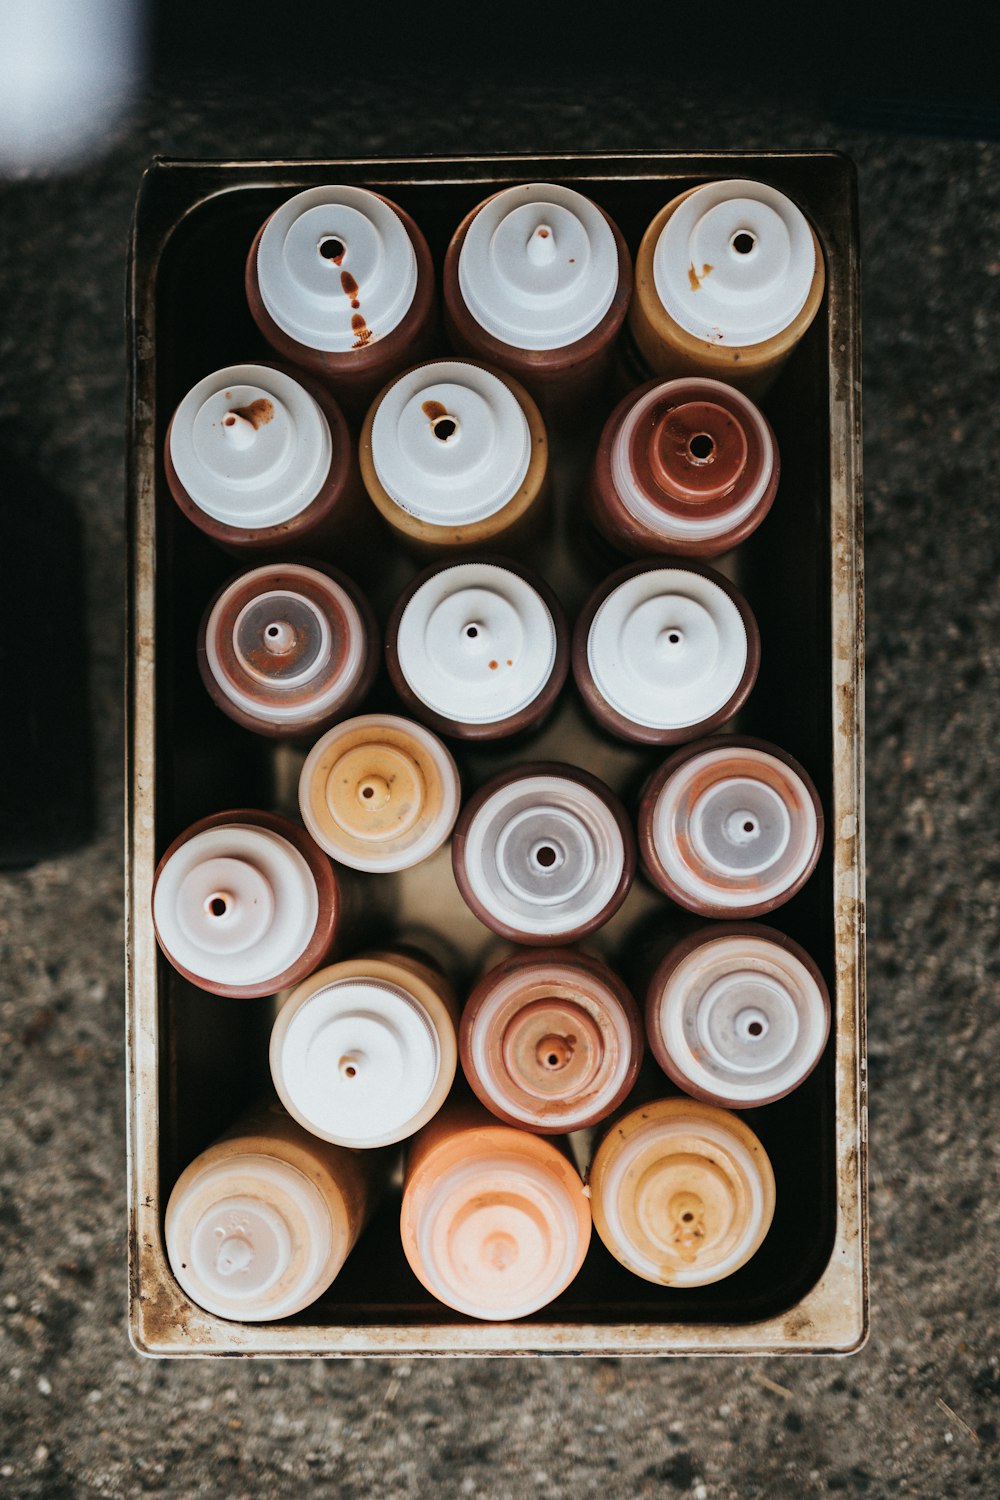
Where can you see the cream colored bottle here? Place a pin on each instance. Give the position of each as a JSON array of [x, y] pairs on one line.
[[260, 1224]]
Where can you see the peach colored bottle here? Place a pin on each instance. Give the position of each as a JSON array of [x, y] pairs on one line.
[[730, 827], [260, 1224], [686, 468], [245, 904], [551, 1040], [340, 282], [494, 1222], [288, 649], [260, 459], [363, 1052], [455, 458], [682, 1192], [728, 278], [537, 281]]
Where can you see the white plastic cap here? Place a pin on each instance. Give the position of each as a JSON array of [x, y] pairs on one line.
[[735, 827], [356, 1062], [498, 1236], [476, 643], [249, 1237], [667, 648], [450, 443], [647, 1169], [379, 792], [250, 446], [296, 648], [688, 523], [742, 1019], [235, 905], [734, 262], [330, 255], [539, 266], [544, 854]]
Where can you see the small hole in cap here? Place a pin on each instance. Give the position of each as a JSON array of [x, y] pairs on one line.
[[332, 249], [443, 428], [743, 242]]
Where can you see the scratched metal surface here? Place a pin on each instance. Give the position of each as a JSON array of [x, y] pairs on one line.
[[190, 226]]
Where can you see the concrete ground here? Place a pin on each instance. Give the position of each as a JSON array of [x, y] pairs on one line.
[[918, 1411]]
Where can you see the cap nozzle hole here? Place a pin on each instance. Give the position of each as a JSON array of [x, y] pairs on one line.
[[217, 906], [701, 447], [332, 249], [546, 856], [743, 241], [444, 428]]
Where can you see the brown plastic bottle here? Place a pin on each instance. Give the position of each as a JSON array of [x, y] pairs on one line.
[[341, 283], [259, 458], [551, 1040], [543, 853], [730, 827], [737, 1014], [478, 649], [664, 651], [245, 904], [287, 649], [537, 281], [686, 468]]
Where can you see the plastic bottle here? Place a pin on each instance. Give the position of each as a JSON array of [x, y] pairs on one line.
[[664, 652], [478, 649], [728, 278], [245, 904], [737, 1014], [682, 1193], [260, 1224], [686, 468], [363, 1052], [455, 456], [537, 281], [544, 853], [551, 1040], [730, 827], [260, 459], [379, 792], [340, 282], [288, 649], [494, 1221]]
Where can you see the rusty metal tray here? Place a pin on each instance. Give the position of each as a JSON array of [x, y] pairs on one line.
[[194, 1060]]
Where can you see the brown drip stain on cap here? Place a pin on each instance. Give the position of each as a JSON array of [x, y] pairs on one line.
[[434, 411], [350, 286], [258, 413], [697, 280]]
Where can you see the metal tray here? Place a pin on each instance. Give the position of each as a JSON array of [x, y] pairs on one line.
[[194, 1060]]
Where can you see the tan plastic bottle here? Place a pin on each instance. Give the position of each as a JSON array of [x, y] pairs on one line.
[[455, 457], [728, 278], [260, 1224], [682, 1192], [495, 1222]]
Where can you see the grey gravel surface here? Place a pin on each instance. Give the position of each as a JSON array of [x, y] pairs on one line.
[[917, 1411]]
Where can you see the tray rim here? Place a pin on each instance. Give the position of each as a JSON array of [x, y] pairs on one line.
[[833, 1316]]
